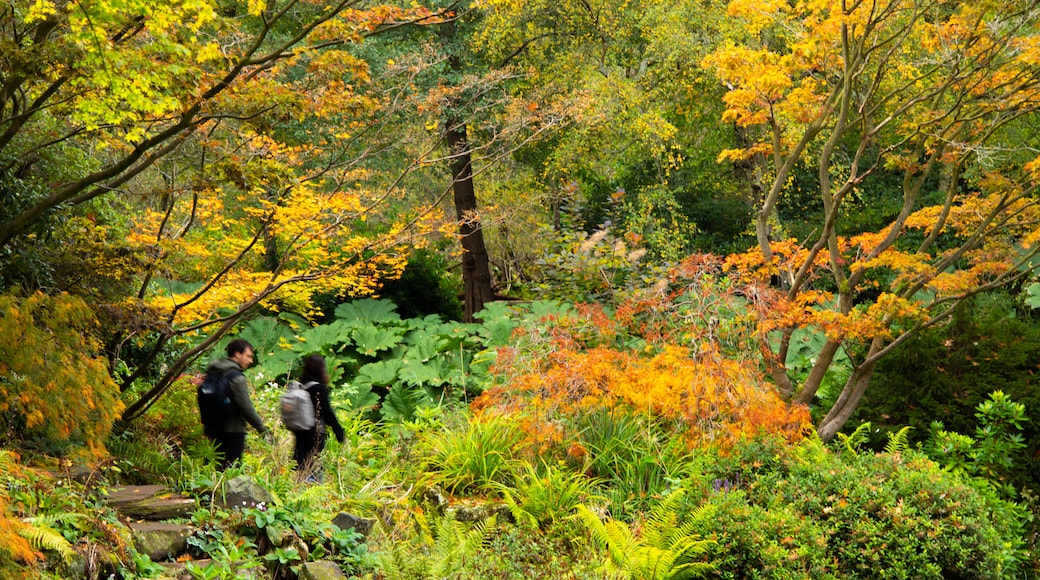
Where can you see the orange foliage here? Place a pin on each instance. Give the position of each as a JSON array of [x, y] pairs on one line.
[[52, 360], [709, 398], [11, 541]]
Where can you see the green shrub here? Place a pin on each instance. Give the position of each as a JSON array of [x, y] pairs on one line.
[[946, 373], [806, 512]]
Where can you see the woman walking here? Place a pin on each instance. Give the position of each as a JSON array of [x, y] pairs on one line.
[[310, 442]]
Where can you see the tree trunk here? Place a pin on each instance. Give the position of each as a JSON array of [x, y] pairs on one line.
[[847, 401], [476, 273]]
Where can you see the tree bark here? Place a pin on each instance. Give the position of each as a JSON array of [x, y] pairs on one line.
[[476, 273], [849, 398]]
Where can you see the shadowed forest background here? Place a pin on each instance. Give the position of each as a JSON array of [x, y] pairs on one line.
[[684, 289]]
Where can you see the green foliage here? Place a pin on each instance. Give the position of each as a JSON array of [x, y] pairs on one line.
[[269, 526], [425, 287], [378, 361], [804, 347], [944, 375], [805, 512], [855, 440], [49, 356], [898, 441], [870, 207], [654, 218], [481, 457], [991, 453], [635, 457], [227, 554], [440, 549], [516, 553], [601, 267], [545, 495], [668, 548], [42, 536]]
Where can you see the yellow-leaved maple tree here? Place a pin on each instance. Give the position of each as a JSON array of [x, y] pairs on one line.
[[940, 94], [235, 131]]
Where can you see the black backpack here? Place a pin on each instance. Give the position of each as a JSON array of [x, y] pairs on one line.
[[214, 395]]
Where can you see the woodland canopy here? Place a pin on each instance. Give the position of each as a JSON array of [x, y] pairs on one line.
[[762, 203]]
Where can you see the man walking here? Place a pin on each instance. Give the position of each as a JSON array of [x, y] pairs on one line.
[[229, 437]]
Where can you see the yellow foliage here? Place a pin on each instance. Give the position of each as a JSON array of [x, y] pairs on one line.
[[51, 359]]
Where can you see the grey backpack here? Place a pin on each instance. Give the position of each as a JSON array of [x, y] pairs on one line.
[[298, 408]]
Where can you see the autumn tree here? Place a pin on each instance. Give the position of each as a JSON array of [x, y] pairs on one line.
[[48, 357], [465, 123], [944, 95], [635, 149], [235, 132]]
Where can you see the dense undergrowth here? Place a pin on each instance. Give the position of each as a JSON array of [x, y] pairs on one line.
[[610, 451]]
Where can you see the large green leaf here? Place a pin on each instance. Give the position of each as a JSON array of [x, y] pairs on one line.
[[417, 372], [265, 334], [374, 311], [371, 340], [326, 338], [499, 322], [380, 373], [1033, 296], [422, 347], [277, 366]]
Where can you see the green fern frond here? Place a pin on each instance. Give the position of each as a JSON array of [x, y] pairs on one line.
[[311, 495], [613, 536], [663, 519], [666, 550], [42, 537], [425, 530], [695, 520], [524, 518], [898, 441], [142, 458], [853, 442], [68, 519], [9, 465], [456, 542]]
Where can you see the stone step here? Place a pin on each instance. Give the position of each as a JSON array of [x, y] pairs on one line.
[[150, 502], [161, 541]]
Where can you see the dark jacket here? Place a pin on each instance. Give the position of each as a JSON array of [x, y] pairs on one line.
[[242, 411], [326, 416]]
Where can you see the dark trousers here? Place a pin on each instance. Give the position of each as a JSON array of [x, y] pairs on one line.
[[229, 445], [308, 446]]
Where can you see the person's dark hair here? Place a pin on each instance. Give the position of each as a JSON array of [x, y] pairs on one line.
[[239, 345], [314, 370]]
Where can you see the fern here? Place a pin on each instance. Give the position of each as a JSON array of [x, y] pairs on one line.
[[898, 441], [402, 402], [667, 549], [143, 459], [440, 549], [42, 536], [455, 544], [523, 518], [853, 442]]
